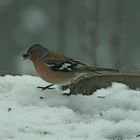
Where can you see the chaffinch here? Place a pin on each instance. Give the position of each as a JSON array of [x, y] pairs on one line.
[[57, 68]]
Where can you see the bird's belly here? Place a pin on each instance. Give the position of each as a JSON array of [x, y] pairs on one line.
[[54, 77]]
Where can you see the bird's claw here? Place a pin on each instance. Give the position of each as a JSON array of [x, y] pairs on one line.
[[64, 87], [43, 88], [66, 94], [47, 87]]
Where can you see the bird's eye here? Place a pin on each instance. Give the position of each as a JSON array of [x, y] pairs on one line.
[[31, 52]]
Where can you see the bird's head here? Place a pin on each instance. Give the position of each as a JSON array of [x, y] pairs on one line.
[[35, 52]]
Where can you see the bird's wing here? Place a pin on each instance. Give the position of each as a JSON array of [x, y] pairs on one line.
[[59, 62], [106, 69], [66, 66]]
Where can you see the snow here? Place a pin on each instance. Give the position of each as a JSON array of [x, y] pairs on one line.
[[27, 113]]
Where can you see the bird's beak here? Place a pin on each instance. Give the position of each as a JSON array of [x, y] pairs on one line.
[[25, 56]]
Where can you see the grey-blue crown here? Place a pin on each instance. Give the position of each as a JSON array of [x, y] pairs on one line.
[[37, 47]]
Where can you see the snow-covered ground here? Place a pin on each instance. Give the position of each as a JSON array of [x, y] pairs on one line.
[[26, 113]]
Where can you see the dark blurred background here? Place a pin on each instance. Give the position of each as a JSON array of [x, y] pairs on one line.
[[103, 33]]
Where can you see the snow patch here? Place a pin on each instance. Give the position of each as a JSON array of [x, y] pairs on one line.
[[26, 112]]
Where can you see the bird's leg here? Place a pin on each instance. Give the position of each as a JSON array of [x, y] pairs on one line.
[[47, 87], [66, 94], [64, 87]]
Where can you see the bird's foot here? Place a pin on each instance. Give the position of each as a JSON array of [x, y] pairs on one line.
[[64, 87], [47, 87], [66, 94]]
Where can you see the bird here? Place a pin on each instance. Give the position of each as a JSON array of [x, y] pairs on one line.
[[56, 68]]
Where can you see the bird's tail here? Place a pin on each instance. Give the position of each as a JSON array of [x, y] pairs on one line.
[[106, 69]]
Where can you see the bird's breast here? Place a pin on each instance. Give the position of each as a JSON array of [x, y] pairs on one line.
[[55, 77]]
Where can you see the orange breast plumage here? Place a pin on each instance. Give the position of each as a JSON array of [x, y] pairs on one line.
[[55, 77]]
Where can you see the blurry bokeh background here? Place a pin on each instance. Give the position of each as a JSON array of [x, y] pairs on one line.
[[103, 33]]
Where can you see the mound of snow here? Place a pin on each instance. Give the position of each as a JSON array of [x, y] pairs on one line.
[[27, 113]]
